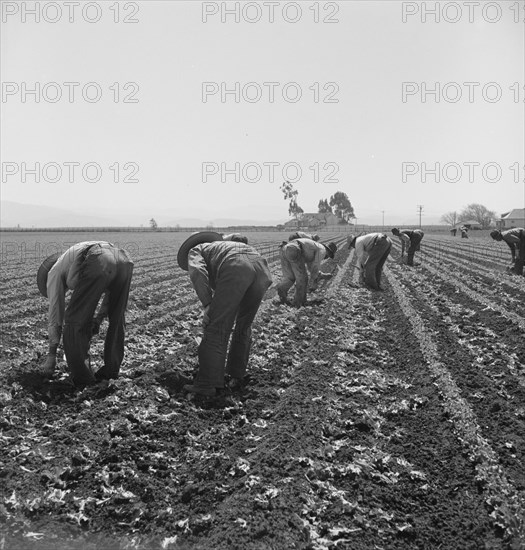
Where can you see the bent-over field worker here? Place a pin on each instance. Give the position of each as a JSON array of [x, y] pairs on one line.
[[515, 238], [298, 258], [410, 239], [89, 269], [230, 279], [371, 250], [303, 235]]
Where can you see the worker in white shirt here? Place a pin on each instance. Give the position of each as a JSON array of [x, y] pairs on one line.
[[371, 250], [90, 269], [300, 263], [410, 239], [515, 239]]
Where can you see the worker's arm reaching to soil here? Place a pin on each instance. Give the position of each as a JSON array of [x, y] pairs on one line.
[[199, 276]]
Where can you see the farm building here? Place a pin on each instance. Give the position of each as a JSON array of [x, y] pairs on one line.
[[514, 218], [316, 220]]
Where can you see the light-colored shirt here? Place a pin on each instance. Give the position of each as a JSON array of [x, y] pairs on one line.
[[405, 241], [363, 246], [61, 277], [314, 253], [206, 260], [302, 235]]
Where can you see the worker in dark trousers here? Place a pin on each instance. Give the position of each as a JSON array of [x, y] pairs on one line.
[[371, 250], [230, 279], [89, 269], [410, 239], [515, 238]]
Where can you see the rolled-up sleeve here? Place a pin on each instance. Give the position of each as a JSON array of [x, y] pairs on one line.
[[199, 276], [56, 293], [315, 265], [361, 253], [405, 242]]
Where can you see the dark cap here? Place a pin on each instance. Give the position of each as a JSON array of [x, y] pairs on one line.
[[331, 249]]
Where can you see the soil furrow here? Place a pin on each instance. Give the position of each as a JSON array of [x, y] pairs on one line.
[[508, 509]]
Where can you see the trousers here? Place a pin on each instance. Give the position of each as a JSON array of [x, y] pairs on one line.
[[520, 260], [104, 269], [240, 288], [415, 240], [293, 267], [377, 256]]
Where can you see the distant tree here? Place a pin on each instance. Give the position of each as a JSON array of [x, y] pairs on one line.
[[323, 207], [296, 211], [450, 217], [290, 194], [153, 224], [342, 206], [478, 212]]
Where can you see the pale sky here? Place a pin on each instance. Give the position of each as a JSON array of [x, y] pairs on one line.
[[362, 140]]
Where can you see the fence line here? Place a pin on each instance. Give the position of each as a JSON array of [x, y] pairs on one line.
[[342, 228]]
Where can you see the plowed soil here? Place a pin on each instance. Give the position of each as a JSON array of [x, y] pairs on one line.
[[388, 419]]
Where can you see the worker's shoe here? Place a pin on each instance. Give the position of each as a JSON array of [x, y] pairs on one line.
[[238, 383], [200, 390]]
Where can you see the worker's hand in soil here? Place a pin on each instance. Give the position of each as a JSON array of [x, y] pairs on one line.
[[49, 365]]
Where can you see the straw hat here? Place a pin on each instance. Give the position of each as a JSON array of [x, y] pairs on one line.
[[43, 271], [193, 240]]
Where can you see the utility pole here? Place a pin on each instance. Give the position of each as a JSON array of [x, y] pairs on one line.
[[420, 208], [383, 212]]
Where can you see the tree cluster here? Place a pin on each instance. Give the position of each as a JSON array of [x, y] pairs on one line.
[[473, 211], [339, 205]]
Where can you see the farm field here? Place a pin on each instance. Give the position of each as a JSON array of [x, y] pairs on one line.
[[372, 420]]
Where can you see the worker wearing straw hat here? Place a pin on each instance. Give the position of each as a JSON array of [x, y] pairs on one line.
[[230, 278], [90, 269]]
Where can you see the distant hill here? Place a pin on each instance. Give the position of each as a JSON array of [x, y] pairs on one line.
[[14, 214], [216, 222]]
